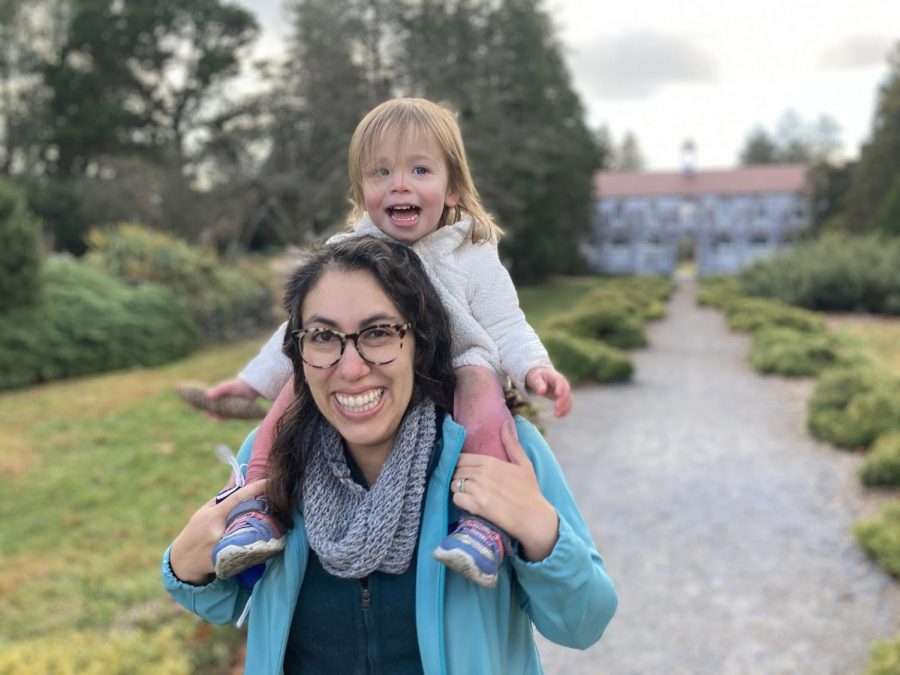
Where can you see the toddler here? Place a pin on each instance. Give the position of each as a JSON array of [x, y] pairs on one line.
[[411, 183]]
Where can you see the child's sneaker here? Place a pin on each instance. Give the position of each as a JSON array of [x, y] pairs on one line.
[[475, 549], [251, 537]]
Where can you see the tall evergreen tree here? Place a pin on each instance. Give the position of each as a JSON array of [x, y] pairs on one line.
[[334, 74], [136, 76], [535, 158], [878, 168], [759, 148], [629, 157]]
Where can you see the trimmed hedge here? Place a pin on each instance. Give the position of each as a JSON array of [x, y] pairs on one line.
[[227, 302], [612, 323], [852, 406], [833, 273], [585, 360], [749, 315], [882, 464], [880, 537], [89, 322], [20, 251], [786, 351], [718, 291]]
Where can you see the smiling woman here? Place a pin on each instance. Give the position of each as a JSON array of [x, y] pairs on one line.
[[366, 469]]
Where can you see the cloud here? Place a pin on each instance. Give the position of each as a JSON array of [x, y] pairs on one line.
[[859, 51], [637, 64]]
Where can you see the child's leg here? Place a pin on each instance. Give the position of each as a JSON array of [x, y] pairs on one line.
[[475, 548], [252, 535], [265, 437], [480, 407]]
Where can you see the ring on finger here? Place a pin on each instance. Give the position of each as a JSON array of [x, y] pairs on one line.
[[461, 485]]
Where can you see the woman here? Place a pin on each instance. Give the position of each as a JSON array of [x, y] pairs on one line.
[[363, 468]]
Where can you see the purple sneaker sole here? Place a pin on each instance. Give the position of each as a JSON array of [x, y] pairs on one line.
[[232, 559], [251, 537], [455, 556], [474, 549]]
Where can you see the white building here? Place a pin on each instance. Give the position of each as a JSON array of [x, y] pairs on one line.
[[729, 217]]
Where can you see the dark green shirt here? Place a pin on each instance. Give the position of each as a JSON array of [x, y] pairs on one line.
[[350, 626]]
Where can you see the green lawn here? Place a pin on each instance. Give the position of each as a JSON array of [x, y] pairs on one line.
[[98, 475], [558, 295]]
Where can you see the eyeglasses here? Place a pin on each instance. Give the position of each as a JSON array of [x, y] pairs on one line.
[[377, 345]]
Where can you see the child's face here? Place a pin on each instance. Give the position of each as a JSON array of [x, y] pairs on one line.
[[406, 186]]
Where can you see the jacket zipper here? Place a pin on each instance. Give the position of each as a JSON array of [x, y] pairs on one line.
[[368, 621]]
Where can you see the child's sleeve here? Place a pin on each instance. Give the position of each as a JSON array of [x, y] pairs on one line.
[[494, 304], [270, 369]]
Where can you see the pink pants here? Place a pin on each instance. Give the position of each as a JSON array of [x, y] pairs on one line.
[[478, 405]]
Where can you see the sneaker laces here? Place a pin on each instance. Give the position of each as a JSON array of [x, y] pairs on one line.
[[226, 456], [489, 535]]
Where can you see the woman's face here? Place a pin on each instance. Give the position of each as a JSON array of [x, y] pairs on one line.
[[365, 403]]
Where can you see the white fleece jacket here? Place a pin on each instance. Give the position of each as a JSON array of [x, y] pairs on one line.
[[488, 327]]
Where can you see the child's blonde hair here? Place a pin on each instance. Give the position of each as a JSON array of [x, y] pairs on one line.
[[405, 115]]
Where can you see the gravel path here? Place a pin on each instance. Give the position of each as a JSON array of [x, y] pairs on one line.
[[725, 527]]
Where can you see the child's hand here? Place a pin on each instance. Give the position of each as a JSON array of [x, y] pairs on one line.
[[551, 384]]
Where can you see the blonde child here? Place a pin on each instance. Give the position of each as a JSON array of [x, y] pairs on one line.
[[411, 183]]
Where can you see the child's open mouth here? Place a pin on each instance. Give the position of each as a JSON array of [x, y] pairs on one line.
[[404, 215]]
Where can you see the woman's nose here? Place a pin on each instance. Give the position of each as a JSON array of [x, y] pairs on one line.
[[352, 366]]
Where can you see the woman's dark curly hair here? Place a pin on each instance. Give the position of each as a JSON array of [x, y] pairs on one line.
[[403, 279]]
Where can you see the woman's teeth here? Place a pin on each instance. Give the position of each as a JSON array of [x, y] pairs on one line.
[[360, 402]]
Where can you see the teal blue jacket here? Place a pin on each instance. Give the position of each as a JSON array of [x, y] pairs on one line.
[[462, 628]]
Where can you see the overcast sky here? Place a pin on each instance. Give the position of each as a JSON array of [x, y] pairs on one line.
[[711, 70]]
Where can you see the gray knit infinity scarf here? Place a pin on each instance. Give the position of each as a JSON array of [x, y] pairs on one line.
[[355, 531]]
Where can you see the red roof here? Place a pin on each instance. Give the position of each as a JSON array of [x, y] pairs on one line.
[[749, 179]]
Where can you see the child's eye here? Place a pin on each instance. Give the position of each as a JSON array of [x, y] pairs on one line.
[[381, 171], [420, 170]]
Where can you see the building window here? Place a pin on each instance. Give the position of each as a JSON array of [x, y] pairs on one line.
[[759, 238], [620, 238]]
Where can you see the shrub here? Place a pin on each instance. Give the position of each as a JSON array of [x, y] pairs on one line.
[[93, 653], [748, 315], [786, 351], [880, 537], [89, 322], [834, 273], [226, 302], [851, 406], [632, 300], [607, 322], [584, 360], [885, 658], [718, 291], [882, 464], [20, 251]]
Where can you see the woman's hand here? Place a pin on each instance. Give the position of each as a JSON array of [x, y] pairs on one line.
[[508, 495], [191, 554]]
